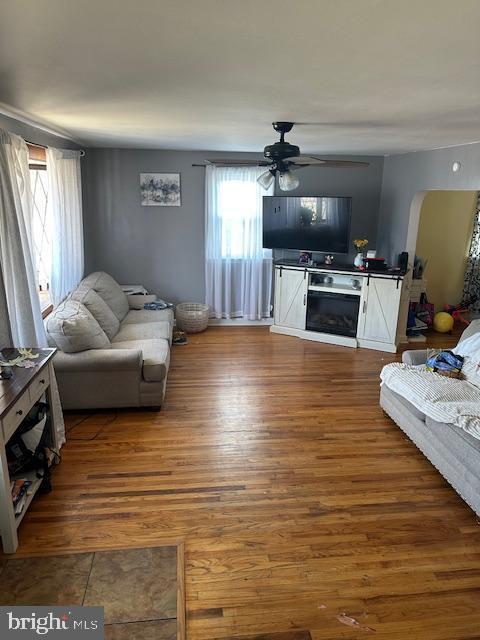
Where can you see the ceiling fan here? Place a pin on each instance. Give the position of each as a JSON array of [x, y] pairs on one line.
[[282, 158]]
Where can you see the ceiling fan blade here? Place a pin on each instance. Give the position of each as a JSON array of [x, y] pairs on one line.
[[342, 164], [308, 161], [357, 124], [230, 162]]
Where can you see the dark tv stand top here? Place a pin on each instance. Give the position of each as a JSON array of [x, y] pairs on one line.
[[337, 266]]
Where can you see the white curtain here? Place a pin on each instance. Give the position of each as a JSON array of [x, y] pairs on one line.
[[19, 283], [65, 204], [16, 210], [238, 269], [5, 334]]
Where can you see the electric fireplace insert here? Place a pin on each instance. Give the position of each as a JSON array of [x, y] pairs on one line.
[[335, 313]]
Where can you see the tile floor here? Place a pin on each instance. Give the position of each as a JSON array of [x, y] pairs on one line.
[[136, 587]]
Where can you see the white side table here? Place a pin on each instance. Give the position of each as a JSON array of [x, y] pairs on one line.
[[17, 397]]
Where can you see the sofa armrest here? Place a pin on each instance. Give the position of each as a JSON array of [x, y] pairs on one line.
[[414, 357], [136, 301], [99, 360]]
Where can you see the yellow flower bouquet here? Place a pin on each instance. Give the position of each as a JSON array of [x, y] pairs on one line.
[[360, 245]]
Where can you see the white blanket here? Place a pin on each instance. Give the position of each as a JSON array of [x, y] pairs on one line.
[[441, 398], [469, 347]]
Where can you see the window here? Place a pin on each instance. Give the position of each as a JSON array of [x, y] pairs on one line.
[[238, 270], [41, 223], [238, 206], [238, 210]]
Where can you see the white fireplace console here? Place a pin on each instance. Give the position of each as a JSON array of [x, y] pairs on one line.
[[346, 307]]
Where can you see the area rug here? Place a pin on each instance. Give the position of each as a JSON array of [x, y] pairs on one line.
[[141, 590]]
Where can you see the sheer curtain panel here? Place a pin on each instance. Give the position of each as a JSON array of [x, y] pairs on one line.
[[238, 269], [17, 268], [19, 287], [65, 203]]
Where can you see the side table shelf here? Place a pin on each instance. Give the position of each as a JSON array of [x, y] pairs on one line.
[[17, 396]]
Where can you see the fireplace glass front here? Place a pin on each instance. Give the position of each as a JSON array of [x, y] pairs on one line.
[[335, 313]]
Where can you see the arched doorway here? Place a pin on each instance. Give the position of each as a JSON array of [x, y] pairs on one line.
[[440, 227]]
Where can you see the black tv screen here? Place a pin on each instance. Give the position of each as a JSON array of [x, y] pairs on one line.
[[312, 223]]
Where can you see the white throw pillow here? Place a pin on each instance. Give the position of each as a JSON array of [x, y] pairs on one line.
[[99, 310], [73, 328], [110, 291]]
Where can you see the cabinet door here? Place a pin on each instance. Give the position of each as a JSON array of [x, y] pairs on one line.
[[290, 308], [379, 310]]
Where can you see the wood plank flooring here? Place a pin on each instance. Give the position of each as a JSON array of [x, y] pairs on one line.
[[297, 498]]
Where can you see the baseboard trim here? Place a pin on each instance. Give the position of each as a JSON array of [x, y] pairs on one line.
[[239, 322], [378, 346]]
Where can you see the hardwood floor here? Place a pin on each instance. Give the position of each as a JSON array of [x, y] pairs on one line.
[[297, 498]]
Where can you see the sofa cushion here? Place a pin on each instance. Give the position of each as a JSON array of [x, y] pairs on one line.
[[156, 357], [147, 315], [98, 308], [408, 406], [458, 434], [73, 328], [144, 331], [110, 291], [453, 447]]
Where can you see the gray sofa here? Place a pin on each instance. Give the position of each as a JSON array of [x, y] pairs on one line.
[[110, 355], [455, 453]]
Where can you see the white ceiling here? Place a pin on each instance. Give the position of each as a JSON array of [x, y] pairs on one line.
[[383, 76]]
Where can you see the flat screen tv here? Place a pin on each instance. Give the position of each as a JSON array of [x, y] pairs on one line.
[[314, 223]]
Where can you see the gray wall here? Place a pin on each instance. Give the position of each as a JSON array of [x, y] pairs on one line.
[[163, 247], [409, 174]]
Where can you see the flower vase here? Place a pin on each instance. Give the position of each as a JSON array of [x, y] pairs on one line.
[[358, 262]]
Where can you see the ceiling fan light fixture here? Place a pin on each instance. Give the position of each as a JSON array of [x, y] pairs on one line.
[[266, 179], [287, 181]]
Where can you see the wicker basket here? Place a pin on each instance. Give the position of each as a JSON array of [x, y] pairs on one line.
[[192, 317]]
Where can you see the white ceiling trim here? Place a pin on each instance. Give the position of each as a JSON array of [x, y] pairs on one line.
[[21, 116], [445, 146]]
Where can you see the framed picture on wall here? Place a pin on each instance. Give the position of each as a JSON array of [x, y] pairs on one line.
[[160, 189]]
